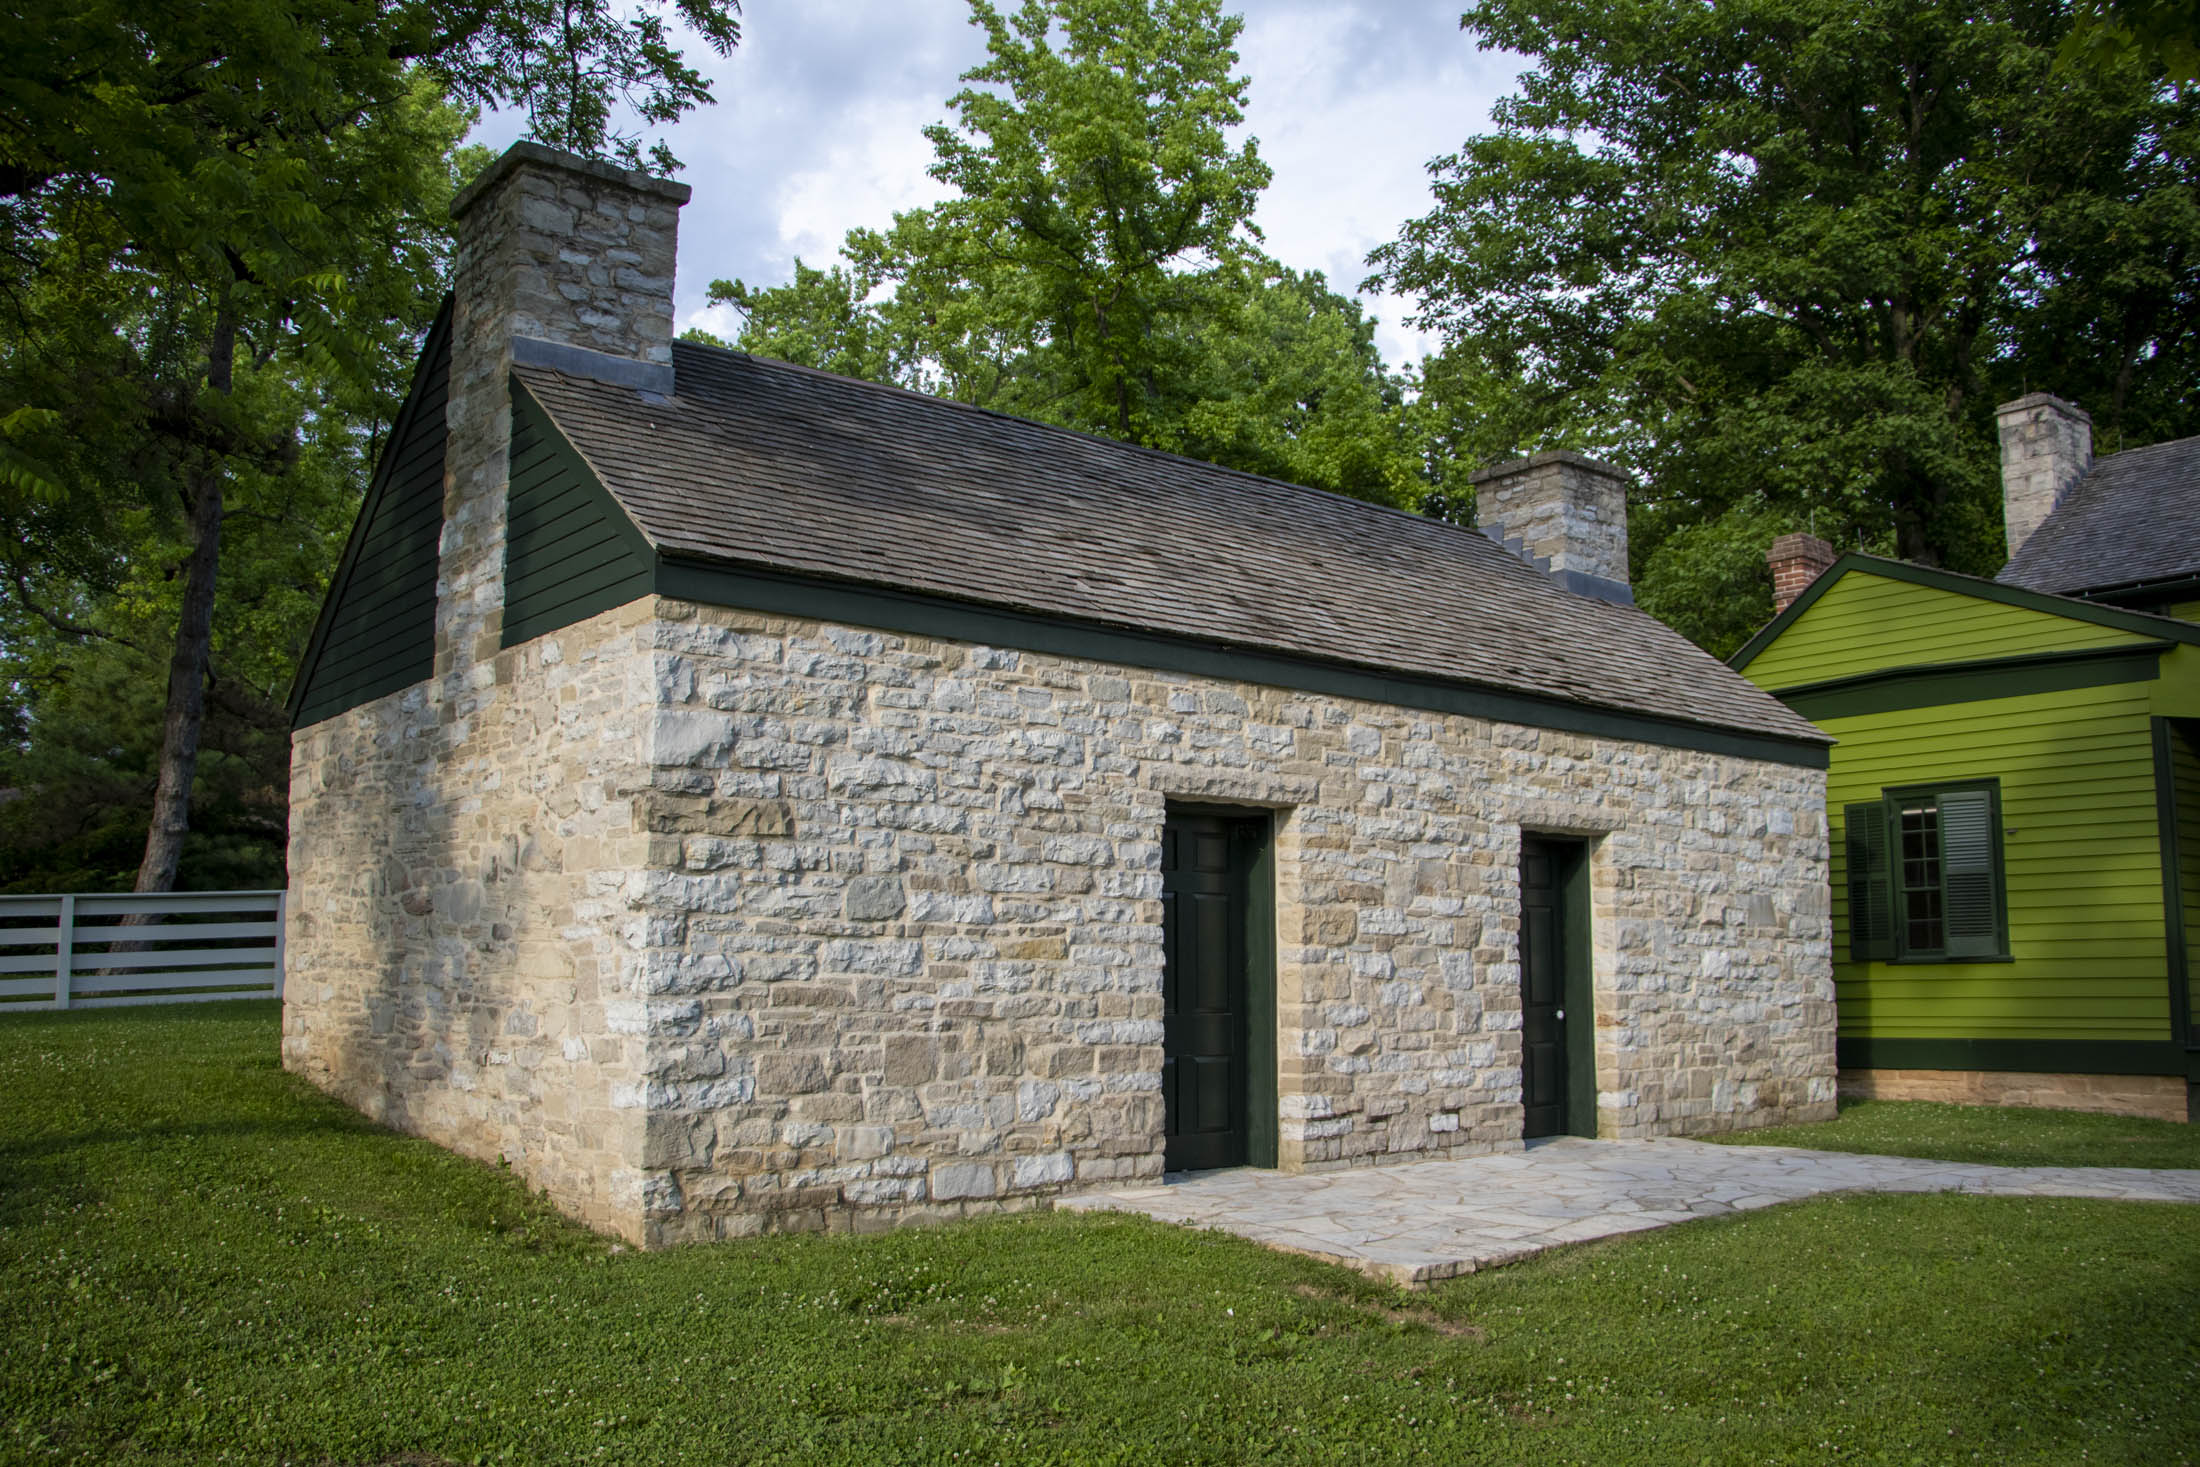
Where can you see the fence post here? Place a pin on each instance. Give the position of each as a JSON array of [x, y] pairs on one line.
[[282, 936], [64, 952]]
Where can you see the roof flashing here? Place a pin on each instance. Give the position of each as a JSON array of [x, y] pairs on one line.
[[653, 380]]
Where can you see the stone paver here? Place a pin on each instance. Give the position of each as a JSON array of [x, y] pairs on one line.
[[1424, 1221]]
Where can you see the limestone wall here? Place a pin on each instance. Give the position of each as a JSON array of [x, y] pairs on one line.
[[710, 922], [465, 931], [905, 943]]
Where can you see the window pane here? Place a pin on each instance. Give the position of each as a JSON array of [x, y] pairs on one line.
[[1924, 931]]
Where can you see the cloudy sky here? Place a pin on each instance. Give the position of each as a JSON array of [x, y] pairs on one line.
[[818, 128]]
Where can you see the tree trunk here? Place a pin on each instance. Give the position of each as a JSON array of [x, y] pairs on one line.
[[187, 666]]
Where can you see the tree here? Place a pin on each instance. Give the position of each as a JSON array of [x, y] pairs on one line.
[[1098, 267], [2107, 32], [89, 692], [1283, 378], [270, 177], [1082, 187], [1782, 257]]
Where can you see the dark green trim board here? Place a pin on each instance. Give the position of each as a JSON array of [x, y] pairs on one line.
[[570, 550], [2161, 627], [717, 584], [2138, 595], [1933, 685], [1581, 1044], [2019, 1056], [2173, 886], [376, 631], [1264, 1120]]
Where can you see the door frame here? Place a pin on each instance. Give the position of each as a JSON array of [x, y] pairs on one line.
[[1573, 854], [1253, 863]]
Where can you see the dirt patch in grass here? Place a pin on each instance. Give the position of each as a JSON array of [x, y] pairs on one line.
[[1412, 1314]]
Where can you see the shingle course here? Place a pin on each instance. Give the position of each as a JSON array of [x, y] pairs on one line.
[[2134, 518], [763, 464]]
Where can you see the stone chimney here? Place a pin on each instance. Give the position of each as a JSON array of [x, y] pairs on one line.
[[2046, 448], [1565, 514], [562, 261], [1796, 561]]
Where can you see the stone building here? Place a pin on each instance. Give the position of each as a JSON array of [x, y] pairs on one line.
[[744, 798]]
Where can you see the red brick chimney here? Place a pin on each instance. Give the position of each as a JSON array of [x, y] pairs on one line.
[[1796, 561]]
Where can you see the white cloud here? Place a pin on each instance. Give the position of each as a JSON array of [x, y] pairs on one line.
[[876, 169], [818, 129]]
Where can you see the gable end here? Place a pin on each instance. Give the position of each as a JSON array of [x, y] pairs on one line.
[[570, 550], [2139, 623], [376, 633]]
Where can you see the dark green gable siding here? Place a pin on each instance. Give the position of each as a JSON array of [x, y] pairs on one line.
[[377, 629], [570, 551]]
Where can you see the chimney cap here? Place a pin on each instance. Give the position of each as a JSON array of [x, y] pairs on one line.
[[2042, 399], [1802, 545], [1538, 460], [547, 157]]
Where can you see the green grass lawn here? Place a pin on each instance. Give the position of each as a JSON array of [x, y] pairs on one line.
[[2000, 1135], [206, 1261]]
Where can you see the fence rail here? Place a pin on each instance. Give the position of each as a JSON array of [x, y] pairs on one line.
[[182, 947]]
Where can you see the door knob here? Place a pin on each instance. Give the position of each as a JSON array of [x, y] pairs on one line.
[[1562, 1013]]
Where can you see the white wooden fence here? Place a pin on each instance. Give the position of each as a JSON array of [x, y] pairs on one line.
[[190, 947]]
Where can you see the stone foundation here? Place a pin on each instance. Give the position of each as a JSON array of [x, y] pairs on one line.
[[713, 923], [2164, 1097]]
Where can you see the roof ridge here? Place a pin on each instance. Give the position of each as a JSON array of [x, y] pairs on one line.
[[2142, 448]]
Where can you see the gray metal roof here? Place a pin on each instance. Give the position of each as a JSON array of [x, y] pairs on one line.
[[758, 463], [2135, 518]]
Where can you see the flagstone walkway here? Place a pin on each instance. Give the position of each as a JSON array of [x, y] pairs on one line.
[[1422, 1221]]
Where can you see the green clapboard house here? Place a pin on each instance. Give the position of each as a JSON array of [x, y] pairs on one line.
[[2015, 794]]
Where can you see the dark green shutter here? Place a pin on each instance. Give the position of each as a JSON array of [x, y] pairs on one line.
[[1969, 901], [1871, 906]]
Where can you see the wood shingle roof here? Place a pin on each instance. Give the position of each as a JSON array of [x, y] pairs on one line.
[[757, 463], [2133, 520]]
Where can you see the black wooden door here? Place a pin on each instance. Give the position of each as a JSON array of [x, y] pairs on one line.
[[1542, 990], [1203, 989]]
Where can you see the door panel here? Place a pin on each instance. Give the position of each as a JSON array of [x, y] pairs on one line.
[[1204, 1070], [1542, 991]]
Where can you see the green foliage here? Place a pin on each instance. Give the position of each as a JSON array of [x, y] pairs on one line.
[[131, 414], [1283, 379], [83, 638], [207, 1260], [819, 319], [1790, 253], [223, 229], [1711, 576], [2108, 33], [571, 64], [1097, 266], [1091, 172], [1991, 1135]]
